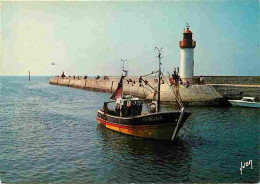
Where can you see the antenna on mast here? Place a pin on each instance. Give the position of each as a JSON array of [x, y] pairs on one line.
[[159, 50], [123, 66]]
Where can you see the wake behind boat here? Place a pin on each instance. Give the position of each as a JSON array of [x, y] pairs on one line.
[[128, 118]]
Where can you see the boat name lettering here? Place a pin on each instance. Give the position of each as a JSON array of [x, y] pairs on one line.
[[155, 118]]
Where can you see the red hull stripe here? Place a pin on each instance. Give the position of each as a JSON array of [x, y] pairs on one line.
[[112, 124], [133, 127]]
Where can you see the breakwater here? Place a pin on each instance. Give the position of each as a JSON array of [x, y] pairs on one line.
[[216, 91], [239, 80], [193, 95], [237, 91]]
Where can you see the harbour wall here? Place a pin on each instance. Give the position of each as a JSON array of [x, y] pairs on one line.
[[237, 91], [244, 80], [195, 95]]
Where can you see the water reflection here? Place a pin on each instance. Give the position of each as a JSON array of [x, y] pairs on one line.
[[151, 159]]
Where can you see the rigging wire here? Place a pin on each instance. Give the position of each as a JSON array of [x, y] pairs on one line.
[[175, 95]]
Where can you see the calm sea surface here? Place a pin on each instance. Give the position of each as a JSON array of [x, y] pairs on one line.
[[50, 134]]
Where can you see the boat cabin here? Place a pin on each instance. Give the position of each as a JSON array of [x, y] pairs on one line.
[[125, 107], [248, 99]]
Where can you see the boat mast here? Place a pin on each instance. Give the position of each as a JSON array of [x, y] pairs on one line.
[[124, 74], [159, 81]]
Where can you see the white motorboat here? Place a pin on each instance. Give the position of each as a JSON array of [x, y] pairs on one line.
[[245, 102]]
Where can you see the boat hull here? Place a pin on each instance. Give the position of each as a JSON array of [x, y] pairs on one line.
[[154, 126], [244, 104]]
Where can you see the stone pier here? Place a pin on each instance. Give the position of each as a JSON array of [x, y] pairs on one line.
[[195, 95]]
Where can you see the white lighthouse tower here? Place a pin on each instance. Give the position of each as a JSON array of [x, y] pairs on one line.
[[187, 46]]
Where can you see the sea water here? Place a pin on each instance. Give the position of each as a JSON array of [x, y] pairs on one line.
[[49, 134]]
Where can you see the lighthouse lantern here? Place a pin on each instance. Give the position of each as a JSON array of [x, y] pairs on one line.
[[187, 46]]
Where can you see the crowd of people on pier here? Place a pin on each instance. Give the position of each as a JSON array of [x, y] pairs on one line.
[[174, 79]]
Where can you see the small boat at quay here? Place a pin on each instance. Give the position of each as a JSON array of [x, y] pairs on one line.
[[246, 102], [127, 116]]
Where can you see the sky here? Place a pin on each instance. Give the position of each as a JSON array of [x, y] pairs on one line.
[[91, 37]]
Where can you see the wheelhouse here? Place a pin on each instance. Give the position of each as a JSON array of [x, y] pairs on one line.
[[248, 99], [125, 107]]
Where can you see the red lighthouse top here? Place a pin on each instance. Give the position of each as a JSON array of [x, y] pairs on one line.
[[188, 31], [187, 41]]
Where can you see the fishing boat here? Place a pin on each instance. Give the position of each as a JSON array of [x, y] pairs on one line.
[[246, 102], [127, 116]]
